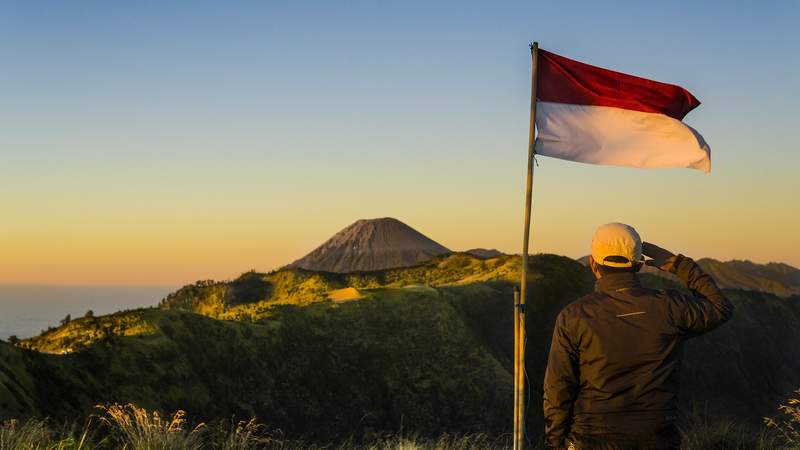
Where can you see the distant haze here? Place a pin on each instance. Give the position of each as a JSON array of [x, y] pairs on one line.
[[26, 310]]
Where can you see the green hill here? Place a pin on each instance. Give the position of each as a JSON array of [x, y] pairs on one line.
[[426, 348], [433, 354]]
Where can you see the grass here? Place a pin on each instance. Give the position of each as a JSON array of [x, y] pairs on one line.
[[727, 434], [128, 427], [787, 425], [137, 428], [38, 434]]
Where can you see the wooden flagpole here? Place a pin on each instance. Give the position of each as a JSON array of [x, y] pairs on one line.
[[519, 315], [517, 425]]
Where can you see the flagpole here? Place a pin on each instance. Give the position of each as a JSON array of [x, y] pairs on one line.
[[516, 368], [519, 319]]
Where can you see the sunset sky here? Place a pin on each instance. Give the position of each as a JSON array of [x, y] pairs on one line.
[[158, 143]]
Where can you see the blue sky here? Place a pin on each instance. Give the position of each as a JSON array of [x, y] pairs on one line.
[[154, 142]]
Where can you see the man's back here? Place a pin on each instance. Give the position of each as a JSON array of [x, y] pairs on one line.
[[613, 370], [629, 351]]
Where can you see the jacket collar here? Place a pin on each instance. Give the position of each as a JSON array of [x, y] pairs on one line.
[[616, 281]]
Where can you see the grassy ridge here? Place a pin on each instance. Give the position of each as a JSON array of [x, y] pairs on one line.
[[251, 296]]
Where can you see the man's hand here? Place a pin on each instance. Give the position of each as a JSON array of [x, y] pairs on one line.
[[661, 258]]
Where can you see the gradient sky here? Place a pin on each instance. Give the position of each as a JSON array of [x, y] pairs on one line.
[[157, 143]]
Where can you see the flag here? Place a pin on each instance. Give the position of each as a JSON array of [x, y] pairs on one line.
[[597, 116]]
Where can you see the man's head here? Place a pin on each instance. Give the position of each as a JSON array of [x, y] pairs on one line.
[[616, 247]]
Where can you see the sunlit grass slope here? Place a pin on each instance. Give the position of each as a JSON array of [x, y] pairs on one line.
[[253, 294], [83, 332]]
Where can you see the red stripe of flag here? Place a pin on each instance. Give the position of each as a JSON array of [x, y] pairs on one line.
[[563, 80]]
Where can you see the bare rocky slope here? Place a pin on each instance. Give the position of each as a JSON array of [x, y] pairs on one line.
[[372, 244]]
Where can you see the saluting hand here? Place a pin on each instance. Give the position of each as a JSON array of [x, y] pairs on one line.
[[661, 258]]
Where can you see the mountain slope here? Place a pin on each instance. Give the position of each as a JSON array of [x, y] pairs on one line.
[[429, 358], [372, 244], [780, 279], [412, 356]]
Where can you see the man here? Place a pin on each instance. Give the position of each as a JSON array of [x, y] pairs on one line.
[[613, 371]]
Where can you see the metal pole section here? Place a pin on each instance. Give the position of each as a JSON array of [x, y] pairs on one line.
[[519, 380]]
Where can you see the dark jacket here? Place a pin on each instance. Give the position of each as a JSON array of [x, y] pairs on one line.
[[615, 357]]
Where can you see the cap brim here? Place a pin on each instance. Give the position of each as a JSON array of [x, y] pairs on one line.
[[616, 264]]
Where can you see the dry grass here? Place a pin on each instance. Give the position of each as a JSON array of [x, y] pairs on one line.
[[129, 427], [132, 428], [787, 425], [135, 428], [244, 435], [726, 435], [35, 434], [444, 442]]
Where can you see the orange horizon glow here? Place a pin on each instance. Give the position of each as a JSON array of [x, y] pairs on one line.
[[120, 247]]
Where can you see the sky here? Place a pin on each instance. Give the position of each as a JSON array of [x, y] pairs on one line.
[[158, 143]]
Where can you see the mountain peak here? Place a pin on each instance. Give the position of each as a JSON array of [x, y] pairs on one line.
[[379, 221], [372, 244]]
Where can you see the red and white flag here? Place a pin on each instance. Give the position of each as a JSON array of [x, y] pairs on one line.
[[597, 116]]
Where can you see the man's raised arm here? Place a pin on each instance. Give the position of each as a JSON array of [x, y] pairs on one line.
[[707, 308]]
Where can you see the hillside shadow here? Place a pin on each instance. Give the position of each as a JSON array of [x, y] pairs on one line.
[[250, 287]]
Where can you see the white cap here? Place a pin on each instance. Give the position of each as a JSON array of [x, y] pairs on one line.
[[616, 245]]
